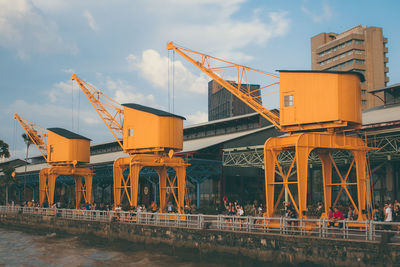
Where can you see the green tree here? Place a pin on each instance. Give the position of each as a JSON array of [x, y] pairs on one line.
[[4, 152], [6, 175], [7, 179], [28, 143]]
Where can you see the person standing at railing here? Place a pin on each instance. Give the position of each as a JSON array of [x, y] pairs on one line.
[[153, 207], [396, 215], [169, 207], [331, 219], [338, 216], [388, 215], [350, 214]]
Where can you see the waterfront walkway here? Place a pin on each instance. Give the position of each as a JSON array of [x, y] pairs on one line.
[[350, 230]]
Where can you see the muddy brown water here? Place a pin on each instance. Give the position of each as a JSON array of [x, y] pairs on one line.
[[24, 247]]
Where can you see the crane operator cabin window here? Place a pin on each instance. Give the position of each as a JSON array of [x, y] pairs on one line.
[[288, 99], [130, 132]]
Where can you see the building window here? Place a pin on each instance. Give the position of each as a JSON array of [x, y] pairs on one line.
[[363, 102], [363, 91], [358, 41], [359, 61], [130, 132], [288, 100]]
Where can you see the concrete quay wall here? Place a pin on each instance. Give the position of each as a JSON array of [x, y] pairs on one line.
[[259, 246]]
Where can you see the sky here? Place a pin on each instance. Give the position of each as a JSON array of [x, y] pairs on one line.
[[120, 47]]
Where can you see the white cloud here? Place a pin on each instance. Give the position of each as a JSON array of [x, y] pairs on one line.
[[196, 118], [320, 15], [60, 89], [53, 113], [219, 30], [154, 68], [68, 71], [24, 28], [92, 23], [126, 93]]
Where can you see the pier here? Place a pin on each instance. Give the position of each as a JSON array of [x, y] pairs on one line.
[[267, 239]]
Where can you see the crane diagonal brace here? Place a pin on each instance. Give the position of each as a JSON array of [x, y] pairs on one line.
[[109, 110], [204, 64], [37, 135]]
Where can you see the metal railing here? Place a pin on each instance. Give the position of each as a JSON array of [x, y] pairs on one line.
[[354, 230]]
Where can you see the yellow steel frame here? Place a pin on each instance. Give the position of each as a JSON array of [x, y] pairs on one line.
[[128, 187], [47, 180], [48, 176], [111, 113], [302, 143], [324, 144]]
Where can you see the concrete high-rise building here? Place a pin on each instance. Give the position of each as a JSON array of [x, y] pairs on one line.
[[223, 104], [361, 49]]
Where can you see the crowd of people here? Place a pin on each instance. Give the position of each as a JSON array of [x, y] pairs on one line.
[[236, 209], [389, 212]]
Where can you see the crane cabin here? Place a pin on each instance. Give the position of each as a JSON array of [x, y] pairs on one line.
[[317, 100], [67, 147], [148, 129]]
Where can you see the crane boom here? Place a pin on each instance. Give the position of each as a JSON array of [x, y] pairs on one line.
[[37, 135], [240, 88], [109, 110]]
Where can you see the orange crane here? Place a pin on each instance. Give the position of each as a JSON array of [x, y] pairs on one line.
[[316, 108], [150, 137], [65, 152]]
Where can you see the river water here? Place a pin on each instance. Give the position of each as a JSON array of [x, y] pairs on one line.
[[28, 248]]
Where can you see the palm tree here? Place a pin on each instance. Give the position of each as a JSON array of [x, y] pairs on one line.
[[28, 142]]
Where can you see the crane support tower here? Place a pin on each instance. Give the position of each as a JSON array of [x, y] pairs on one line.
[[150, 137], [66, 152], [316, 108]]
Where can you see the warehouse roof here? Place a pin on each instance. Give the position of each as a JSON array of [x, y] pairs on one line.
[[201, 143], [381, 114]]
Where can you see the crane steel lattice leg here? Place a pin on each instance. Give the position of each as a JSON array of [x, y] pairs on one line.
[[326, 179], [78, 191], [162, 174], [181, 175], [324, 144]]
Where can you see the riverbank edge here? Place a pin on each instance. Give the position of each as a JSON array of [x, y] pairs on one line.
[[263, 247]]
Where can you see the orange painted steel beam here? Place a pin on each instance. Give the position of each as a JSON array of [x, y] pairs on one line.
[[325, 143], [128, 186], [47, 180]]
